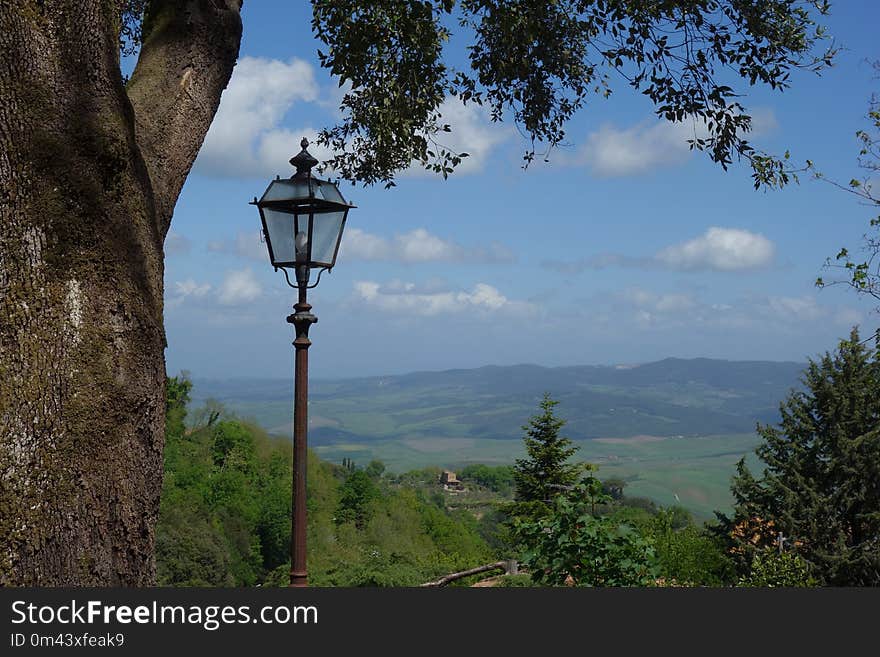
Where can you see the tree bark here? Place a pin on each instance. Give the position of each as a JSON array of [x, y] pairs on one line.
[[88, 182], [186, 60]]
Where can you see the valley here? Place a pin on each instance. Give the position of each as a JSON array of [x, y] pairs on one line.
[[673, 429]]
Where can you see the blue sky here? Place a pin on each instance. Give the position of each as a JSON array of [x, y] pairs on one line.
[[624, 248]]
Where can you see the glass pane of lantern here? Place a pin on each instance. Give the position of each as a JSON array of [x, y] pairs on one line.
[[288, 189], [329, 192], [280, 227], [326, 230], [301, 239]]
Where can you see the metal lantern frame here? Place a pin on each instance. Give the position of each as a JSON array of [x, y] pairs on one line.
[[296, 209]]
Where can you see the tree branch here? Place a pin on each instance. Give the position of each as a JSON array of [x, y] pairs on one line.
[[189, 50], [443, 581]]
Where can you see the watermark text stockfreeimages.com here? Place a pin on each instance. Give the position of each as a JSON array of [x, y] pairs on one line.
[[209, 617]]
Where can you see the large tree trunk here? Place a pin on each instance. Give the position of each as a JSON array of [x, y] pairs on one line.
[[88, 181]]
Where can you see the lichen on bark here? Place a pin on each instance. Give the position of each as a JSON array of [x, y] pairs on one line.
[[84, 209]]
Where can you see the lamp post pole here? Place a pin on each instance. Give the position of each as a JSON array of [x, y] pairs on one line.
[[302, 320], [303, 218]]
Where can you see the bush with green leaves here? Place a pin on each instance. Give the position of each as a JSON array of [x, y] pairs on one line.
[[514, 581], [356, 499], [573, 546], [688, 555], [772, 569], [226, 509], [497, 478]]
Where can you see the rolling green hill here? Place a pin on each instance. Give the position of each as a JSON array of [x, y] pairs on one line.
[[672, 397], [673, 429]]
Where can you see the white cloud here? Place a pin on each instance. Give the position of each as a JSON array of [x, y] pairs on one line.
[[597, 262], [239, 287], [611, 151], [718, 249], [803, 309], [472, 132], [189, 288], [652, 309], [792, 309], [417, 246], [407, 298], [176, 244], [795, 308], [246, 245], [685, 311], [334, 95], [421, 246], [763, 121], [246, 138], [721, 249], [361, 245], [847, 317], [276, 147]]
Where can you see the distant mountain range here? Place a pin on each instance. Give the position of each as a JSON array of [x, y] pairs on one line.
[[671, 397]]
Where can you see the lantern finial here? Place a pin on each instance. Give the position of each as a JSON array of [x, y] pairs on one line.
[[304, 161]]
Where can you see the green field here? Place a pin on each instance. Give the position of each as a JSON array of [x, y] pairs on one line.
[[673, 429], [697, 470]]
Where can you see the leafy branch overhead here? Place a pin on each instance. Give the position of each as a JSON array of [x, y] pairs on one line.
[[863, 276], [131, 33], [539, 63]]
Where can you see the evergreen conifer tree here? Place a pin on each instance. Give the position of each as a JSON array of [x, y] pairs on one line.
[[546, 471], [821, 484]]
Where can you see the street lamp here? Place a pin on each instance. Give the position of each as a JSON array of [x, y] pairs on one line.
[[303, 218]]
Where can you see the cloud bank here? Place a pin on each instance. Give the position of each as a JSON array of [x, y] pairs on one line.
[[240, 287], [417, 246], [250, 138], [408, 299], [648, 146], [247, 138], [718, 249]]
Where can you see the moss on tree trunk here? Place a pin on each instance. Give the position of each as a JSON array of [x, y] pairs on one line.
[[84, 210]]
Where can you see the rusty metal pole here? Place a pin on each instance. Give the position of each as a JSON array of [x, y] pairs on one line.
[[302, 320]]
